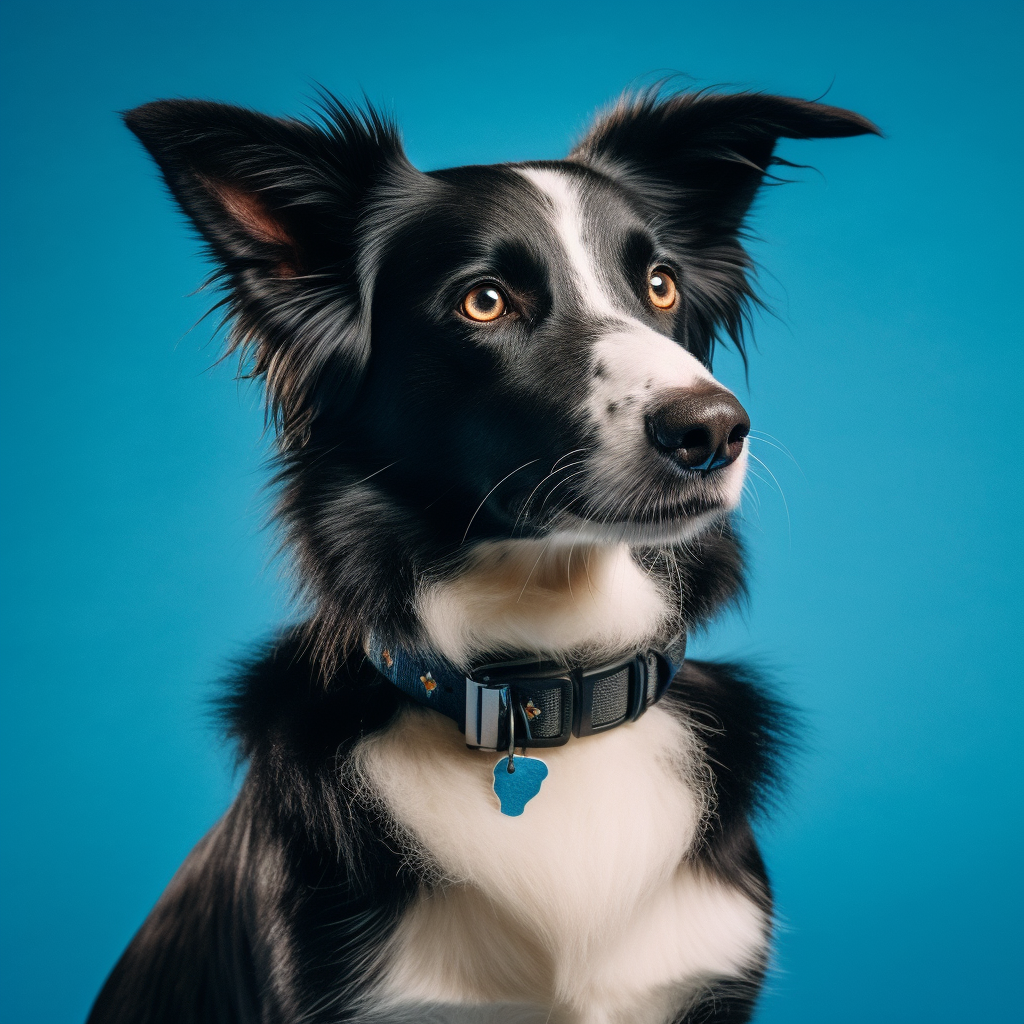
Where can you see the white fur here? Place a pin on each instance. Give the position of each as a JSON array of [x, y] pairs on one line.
[[586, 904], [553, 598]]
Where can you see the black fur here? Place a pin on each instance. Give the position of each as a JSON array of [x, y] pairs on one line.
[[747, 734], [406, 436]]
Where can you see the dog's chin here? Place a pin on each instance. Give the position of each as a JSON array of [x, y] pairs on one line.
[[643, 503], [667, 530]]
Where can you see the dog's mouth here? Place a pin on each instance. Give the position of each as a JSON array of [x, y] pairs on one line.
[[666, 522], [655, 502]]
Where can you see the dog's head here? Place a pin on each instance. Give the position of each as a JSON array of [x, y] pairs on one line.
[[489, 352]]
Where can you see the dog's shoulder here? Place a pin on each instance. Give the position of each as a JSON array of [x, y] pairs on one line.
[[746, 733], [746, 729], [190, 962], [298, 854], [282, 699]]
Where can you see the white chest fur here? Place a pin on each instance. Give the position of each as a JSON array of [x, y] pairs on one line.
[[551, 597], [585, 907]]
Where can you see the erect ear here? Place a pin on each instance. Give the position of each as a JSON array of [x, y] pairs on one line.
[[278, 203], [715, 147], [699, 159]]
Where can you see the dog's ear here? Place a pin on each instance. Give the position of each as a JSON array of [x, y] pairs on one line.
[[717, 147], [700, 158], [278, 203]]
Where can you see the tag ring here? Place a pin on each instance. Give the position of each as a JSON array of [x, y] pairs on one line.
[[511, 737]]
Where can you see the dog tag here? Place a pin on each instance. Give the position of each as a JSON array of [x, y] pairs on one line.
[[517, 788]]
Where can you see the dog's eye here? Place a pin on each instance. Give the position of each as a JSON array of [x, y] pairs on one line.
[[661, 288], [484, 303]]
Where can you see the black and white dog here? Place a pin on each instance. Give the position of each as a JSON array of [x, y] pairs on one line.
[[483, 785]]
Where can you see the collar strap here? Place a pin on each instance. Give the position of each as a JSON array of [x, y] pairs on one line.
[[550, 702]]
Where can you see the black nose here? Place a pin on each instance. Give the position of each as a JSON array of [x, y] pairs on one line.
[[700, 429]]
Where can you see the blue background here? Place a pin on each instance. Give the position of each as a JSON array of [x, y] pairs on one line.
[[886, 584]]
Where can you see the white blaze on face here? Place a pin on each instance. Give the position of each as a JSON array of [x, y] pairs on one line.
[[563, 196], [633, 364]]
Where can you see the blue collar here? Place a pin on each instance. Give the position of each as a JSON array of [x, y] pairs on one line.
[[550, 702]]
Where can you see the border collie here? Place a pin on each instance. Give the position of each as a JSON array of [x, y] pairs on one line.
[[483, 782]]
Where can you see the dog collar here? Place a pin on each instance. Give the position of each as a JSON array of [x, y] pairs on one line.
[[549, 702]]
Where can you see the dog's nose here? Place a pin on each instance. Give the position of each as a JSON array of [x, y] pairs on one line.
[[699, 429]]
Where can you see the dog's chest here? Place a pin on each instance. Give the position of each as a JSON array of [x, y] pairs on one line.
[[586, 905]]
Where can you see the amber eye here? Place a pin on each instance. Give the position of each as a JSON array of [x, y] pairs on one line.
[[484, 303], [661, 288]]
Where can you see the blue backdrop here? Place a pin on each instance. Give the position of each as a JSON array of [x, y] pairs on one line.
[[886, 551]]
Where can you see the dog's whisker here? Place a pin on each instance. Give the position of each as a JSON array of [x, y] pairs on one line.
[[507, 476], [785, 451], [749, 490], [554, 472], [544, 548], [438, 497], [586, 568], [377, 472], [764, 435], [560, 483], [575, 451], [785, 504]]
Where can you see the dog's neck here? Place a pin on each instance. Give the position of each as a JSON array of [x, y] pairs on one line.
[[552, 598]]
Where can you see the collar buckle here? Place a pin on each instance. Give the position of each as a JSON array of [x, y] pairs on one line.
[[540, 694], [552, 703]]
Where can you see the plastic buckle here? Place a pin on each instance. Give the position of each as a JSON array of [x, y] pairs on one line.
[[486, 714], [522, 681]]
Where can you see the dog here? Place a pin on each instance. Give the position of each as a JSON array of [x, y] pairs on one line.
[[483, 782]]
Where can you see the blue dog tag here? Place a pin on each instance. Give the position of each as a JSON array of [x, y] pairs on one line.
[[517, 788]]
